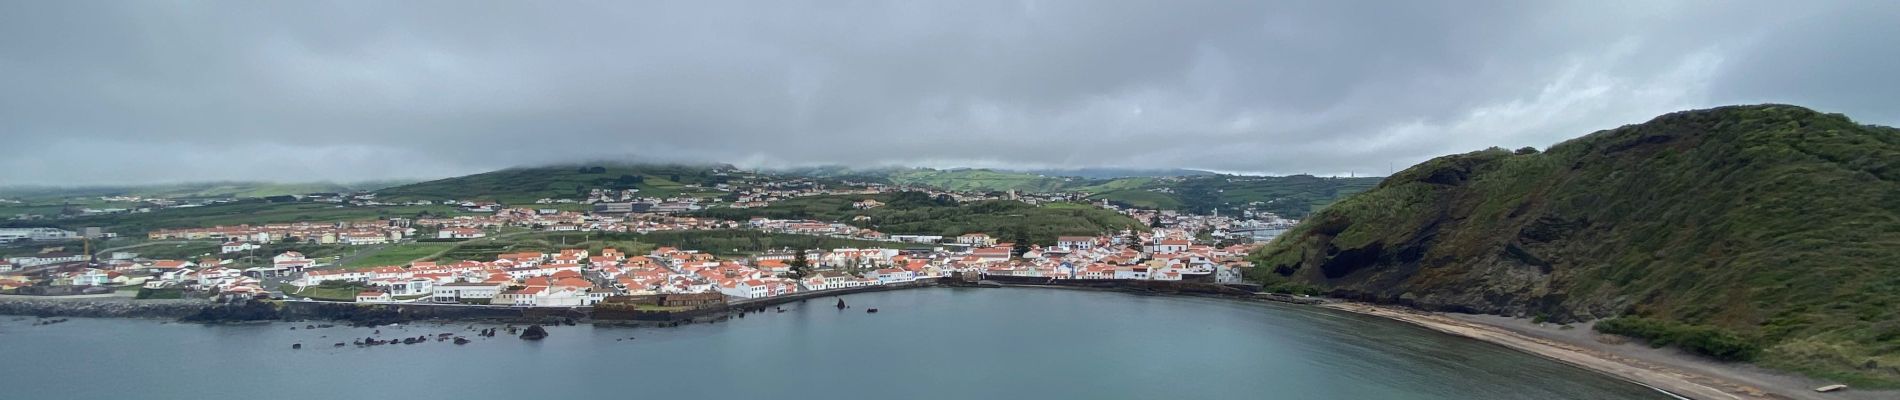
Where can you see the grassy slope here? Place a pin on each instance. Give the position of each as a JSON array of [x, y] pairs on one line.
[[398, 254], [525, 185], [1774, 224], [919, 217]]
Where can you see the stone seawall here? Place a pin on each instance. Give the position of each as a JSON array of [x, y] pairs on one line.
[[388, 313], [1134, 285], [102, 308]]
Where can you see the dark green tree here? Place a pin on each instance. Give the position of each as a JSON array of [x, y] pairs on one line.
[[1021, 246], [800, 265]]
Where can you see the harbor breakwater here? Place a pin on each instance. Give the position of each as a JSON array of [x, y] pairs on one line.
[[365, 314]]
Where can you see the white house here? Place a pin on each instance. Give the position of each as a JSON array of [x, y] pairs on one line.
[[893, 275], [824, 280], [288, 263], [315, 277], [750, 288], [236, 247], [405, 287], [976, 239], [459, 233], [372, 296], [1170, 246], [92, 277], [356, 239], [1131, 273], [1076, 242]]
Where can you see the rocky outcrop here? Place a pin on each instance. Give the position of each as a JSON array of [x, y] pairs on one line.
[[534, 332]]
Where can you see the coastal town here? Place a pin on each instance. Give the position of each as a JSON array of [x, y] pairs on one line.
[[580, 277], [1174, 246]]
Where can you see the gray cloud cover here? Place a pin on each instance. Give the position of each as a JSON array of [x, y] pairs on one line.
[[124, 91]]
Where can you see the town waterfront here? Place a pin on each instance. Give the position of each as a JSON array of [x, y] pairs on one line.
[[938, 343]]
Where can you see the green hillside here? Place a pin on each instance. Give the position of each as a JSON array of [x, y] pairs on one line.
[[1766, 233], [917, 213], [525, 185]]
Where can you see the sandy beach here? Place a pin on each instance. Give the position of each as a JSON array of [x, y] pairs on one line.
[[1669, 370]]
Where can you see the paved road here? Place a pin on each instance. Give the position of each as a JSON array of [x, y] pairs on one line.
[[113, 249]]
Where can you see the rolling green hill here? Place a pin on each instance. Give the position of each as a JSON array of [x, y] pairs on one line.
[[917, 213], [525, 185], [1766, 233]]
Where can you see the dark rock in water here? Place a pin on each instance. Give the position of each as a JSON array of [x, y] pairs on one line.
[[841, 304], [294, 346], [534, 332], [338, 344], [870, 311], [461, 340]]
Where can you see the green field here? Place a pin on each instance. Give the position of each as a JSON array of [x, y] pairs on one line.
[[917, 213], [242, 212], [1294, 196], [323, 293], [397, 254]]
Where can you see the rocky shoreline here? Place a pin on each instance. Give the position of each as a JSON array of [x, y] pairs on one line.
[[372, 314], [104, 308]]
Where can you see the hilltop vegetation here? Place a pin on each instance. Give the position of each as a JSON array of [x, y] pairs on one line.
[[525, 185], [918, 213], [1764, 233]]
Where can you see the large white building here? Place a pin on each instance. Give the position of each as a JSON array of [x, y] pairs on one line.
[[37, 234], [455, 292]]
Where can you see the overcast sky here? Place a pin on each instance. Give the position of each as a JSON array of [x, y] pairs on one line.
[[148, 91]]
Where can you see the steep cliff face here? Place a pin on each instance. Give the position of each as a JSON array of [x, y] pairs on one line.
[[1775, 222]]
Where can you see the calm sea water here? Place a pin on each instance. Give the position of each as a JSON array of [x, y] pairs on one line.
[[937, 343]]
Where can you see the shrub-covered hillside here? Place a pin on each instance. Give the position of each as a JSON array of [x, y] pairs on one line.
[[1765, 232]]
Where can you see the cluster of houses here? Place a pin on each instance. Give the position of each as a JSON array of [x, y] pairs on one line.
[[578, 277], [346, 232]]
